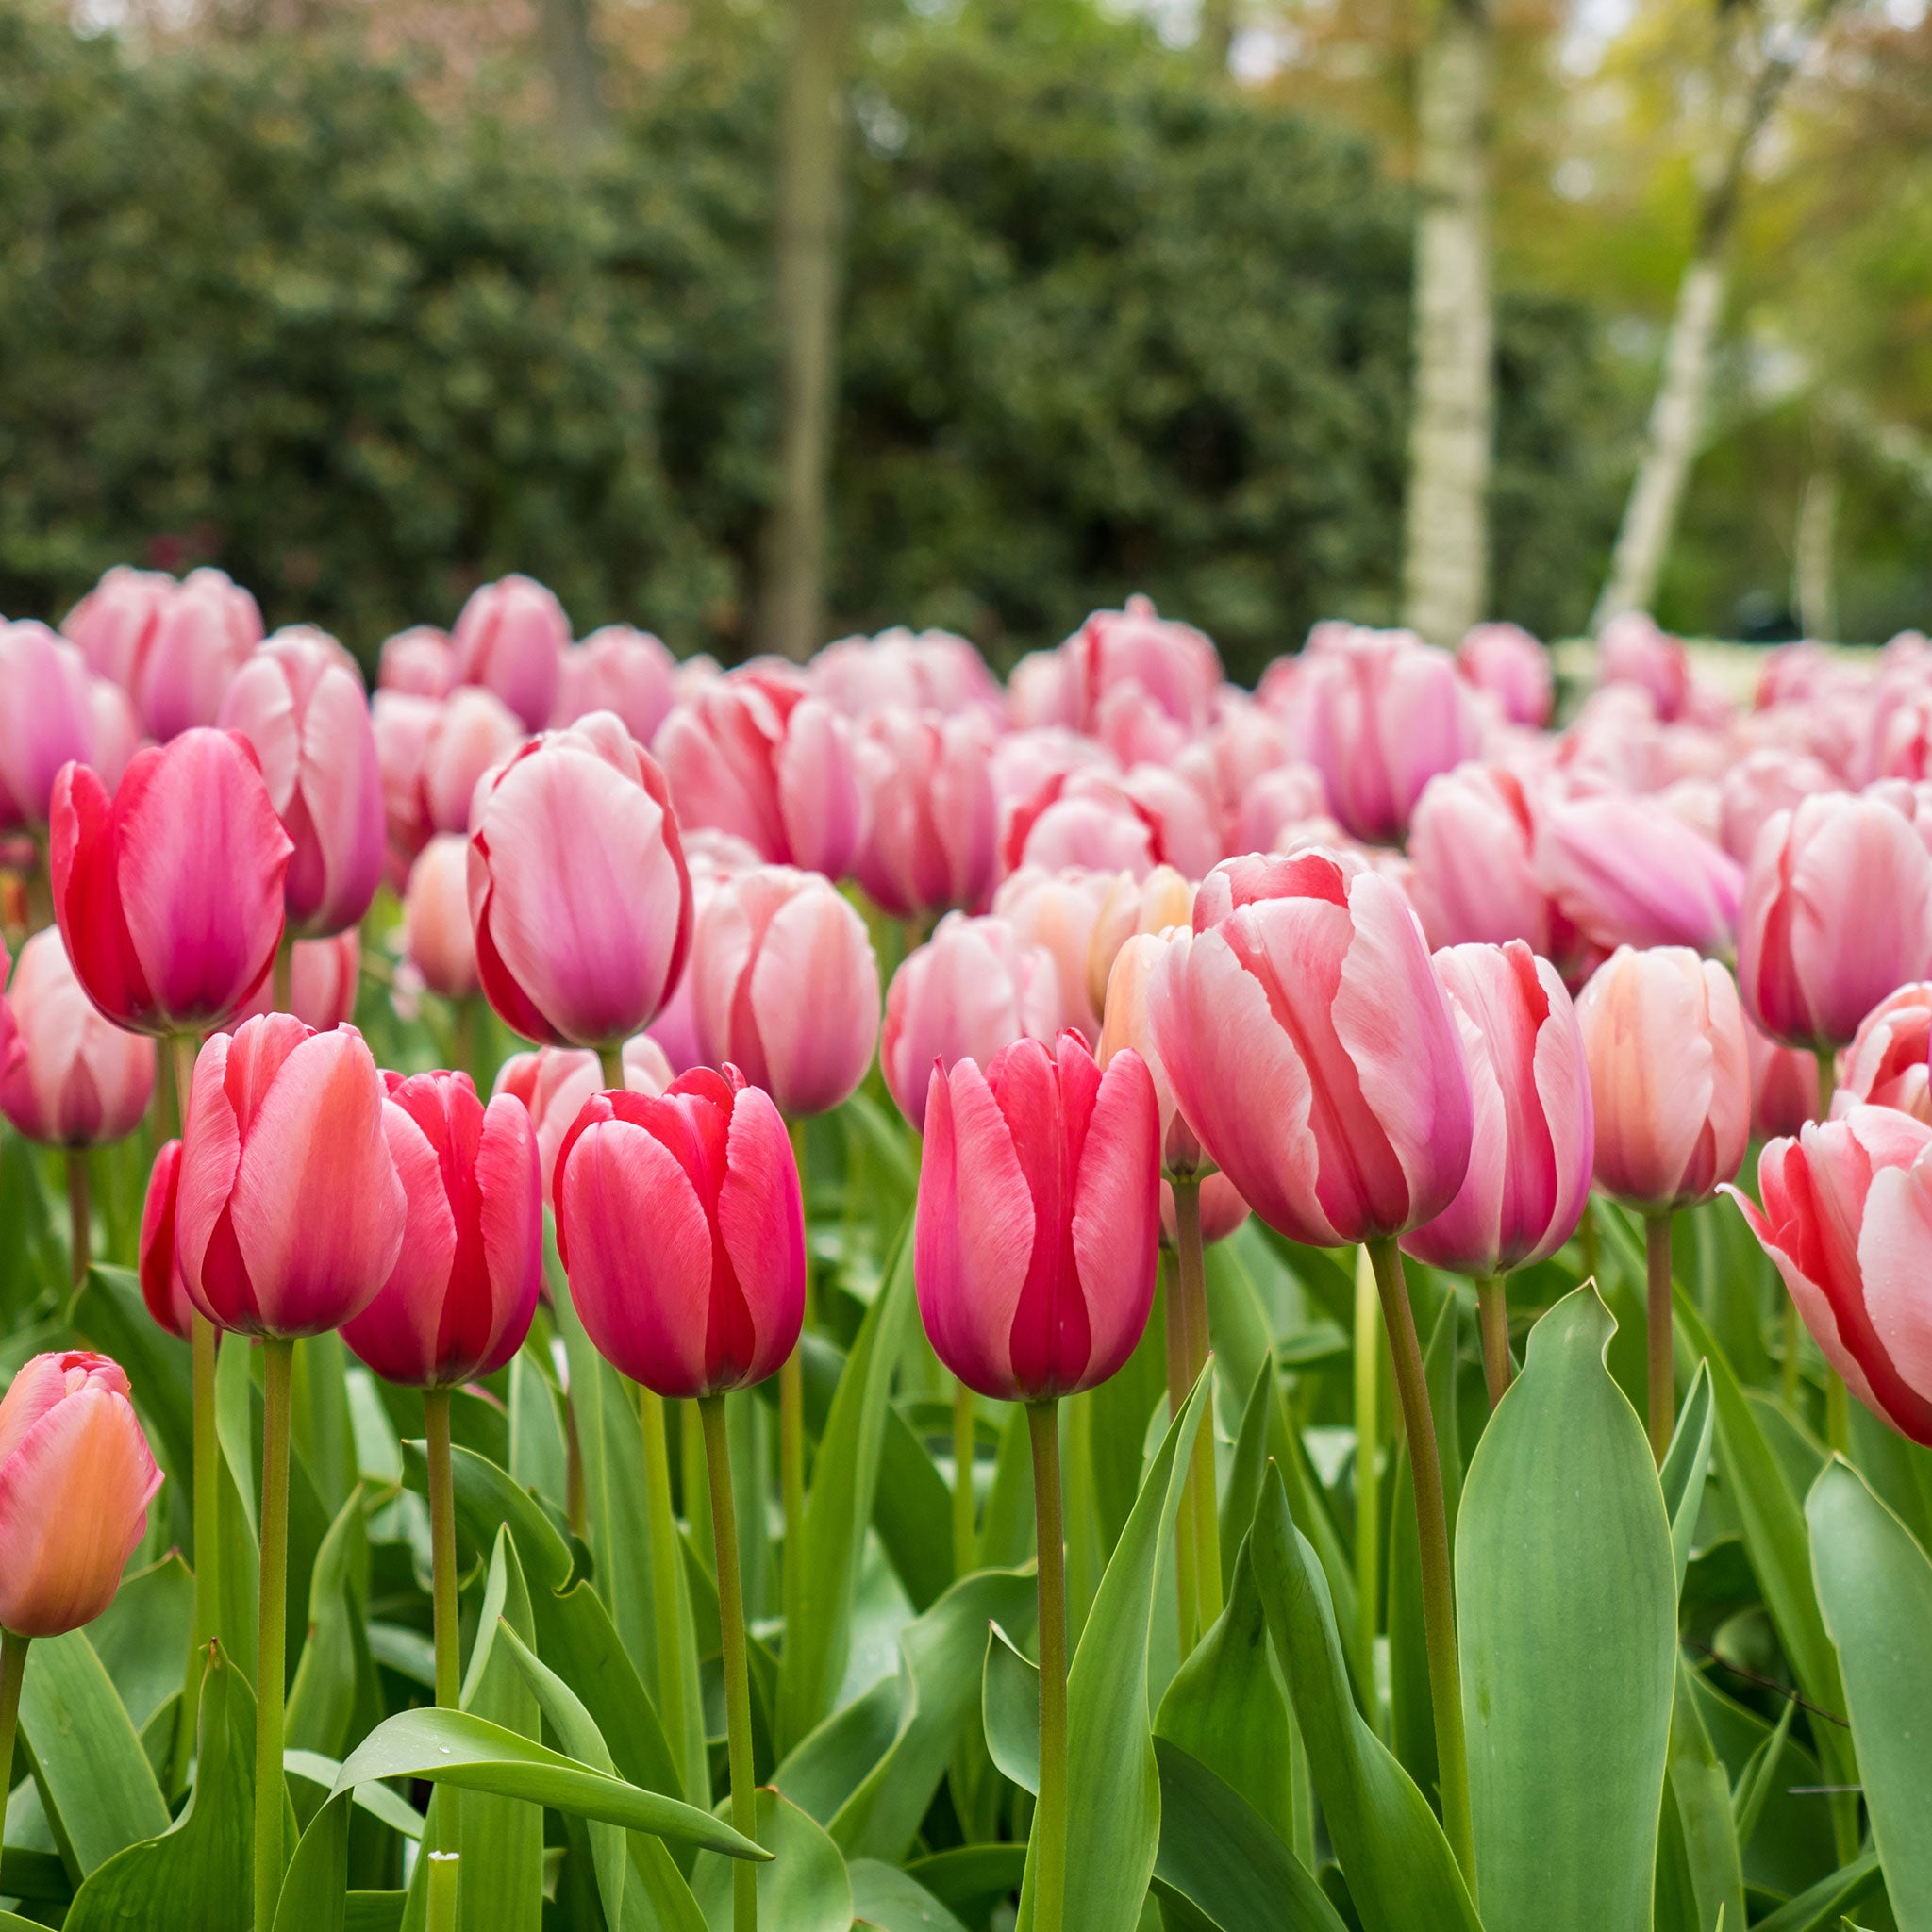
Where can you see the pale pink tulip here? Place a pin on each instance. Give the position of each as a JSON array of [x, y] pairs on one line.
[[1886, 1065], [1172, 663], [473, 731], [1632, 650], [931, 818], [69, 1079], [1472, 840], [54, 708], [205, 629], [1287, 795], [510, 637], [1507, 662], [622, 670], [1057, 911], [114, 621], [553, 1083], [1761, 784], [402, 724], [436, 918], [908, 671], [418, 660], [1130, 906]]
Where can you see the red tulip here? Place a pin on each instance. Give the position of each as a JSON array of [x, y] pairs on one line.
[[621, 669], [680, 1223], [290, 1213], [553, 1082], [1507, 662], [473, 730], [70, 1078], [76, 1479], [418, 660], [510, 637], [169, 893], [1038, 1219], [435, 917], [53, 709], [163, 1287], [932, 822], [1886, 1065]]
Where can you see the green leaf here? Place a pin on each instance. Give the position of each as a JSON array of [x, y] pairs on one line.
[[883, 1897], [1400, 1874], [1010, 1704], [389, 1808], [110, 1316], [1830, 1899], [1685, 1466], [320, 1426], [142, 1636], [1699, 1792], [538, 1457], [1874, 1585], [911, 1513], [334, 1697], [968, 1880], [803, 1887]]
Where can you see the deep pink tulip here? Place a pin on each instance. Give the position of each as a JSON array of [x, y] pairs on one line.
[[1172, 663], [1126, 907], [1886, 1065], [325, 976], [459, 1301], [1836, 914], [54, 708], [757, 754], [1312, 1049], [1507, 662], [113, 622], [578, 895], [1761, 784], [1534, 1140], [1057, 910], [70, 1078], [1784, 1085], [206, 627], [418, 660], [974, 986], [1847, 1218], [169, 892], [785, 987], [1669, 1076], [403, 723], [473, 731], [290, 1213], [76, 1479], [1038, 1218], [436, 918], [163, 1287], [622, 670], [680, 1223], [903, 670], [553, 1082], [307, 718], [1632, 650], [932, 823], [510, 638], [1472, 840]]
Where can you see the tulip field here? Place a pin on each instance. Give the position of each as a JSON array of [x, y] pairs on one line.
[[645, 1298]]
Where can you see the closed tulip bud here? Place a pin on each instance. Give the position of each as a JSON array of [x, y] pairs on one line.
[[1039, 1215], [163, 1287], [1057, 910], [785, 987], [1471, 841], [1174, 665], [169, 892], [510, 638], [1534, 1136], [76, 1479], [1507, 662], [1836, 914], [1758, 786], [932, 822], [710, 857], [974, 986], [54, 708], [1093, 821], [71, 1078], [621, 669], [1847, 1218], [1284, 795], [418, 660], [901, 669], [578, 895], [435, 917], [1312, 1049], [1669, 1076], [325, 976], [1784, 1085], [1632, 650], [680, 1223], [1886, 1065], [289, 1214], [459, 1301], [1128, 907], [113, 622], [207, 627], [402, 724], [473, 730], [553, 1082]]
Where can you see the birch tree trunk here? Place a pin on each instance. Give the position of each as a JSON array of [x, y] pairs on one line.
[[810, 241], [576, 104], [1217, 33], [1812, 581], [1446, 563]]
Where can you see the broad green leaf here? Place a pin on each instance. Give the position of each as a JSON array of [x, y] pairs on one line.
[[1685, 1466], [1400, 1874], [538, 1457], [883, 1897], [1247, 1469], [333, 1697], [911, 1513], [1010, 1706], [1899, 1471], [1830, 1899], [1874, 1585], [110, 1316], [969, 1879], [804, 1888], [390, 1807], [142, 1636], [1698, 1793], [320, 1426]]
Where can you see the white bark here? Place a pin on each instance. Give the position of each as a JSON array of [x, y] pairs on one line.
[[577, 103], [1446, 563], [1812, 563]]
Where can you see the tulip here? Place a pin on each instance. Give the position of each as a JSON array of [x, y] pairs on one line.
[[1759, 785], [436, 918], [932, 821], [324, 977], [1507, 662], [1471, 839], [1848, 1217], [307, 718], [621, 669], [1886, 1065], [163, 1287], [1129, 907], [1040, 693], [578, 895], [473, 731], [553, 1082], [418, 660], [927, 671], [1057, 910], [1144, 818], [1284, 795], [402, 724], [169, 892], [1784, 1086], [113, 623], [710, 857], [53, 709], [1836, 914], [1174, 665], [1632, 650], [205, 630], [510, 638]]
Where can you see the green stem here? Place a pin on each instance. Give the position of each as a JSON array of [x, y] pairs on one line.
[[80, 1229], [442, 1551], [792, 1441], [1827, 1080], [1838, 1413], [965, 1541], [271, 1630], [1788, 1375], [1367, 1480], [745, 1796], [691, 1456], [12, 1671], [1662, 1377], [1050, 1813], [1492, 1309], [1193, 1272], [285, 975], [1432, 1535], [1586, 1238], [667, 1555], [1186, 1544], [445, 1875]]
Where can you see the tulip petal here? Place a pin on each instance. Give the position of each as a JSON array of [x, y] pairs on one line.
[[1893, 1344], [761, 1225], [211, 1158], [1116, 1209]]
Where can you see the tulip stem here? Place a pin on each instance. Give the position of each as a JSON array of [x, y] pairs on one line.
[[12, 1671], [1367, 1480], [285, 973], [442, 1550], [1186, 1546], [1192, 1271], [1838, 1413], [792, 1441], [1662, 1382], [1586, 1238], [965, 1540], [1049, 1857], [744, 1797], [445, 1874], [1788, 1375], [667, 1557], [1492, 1309], [79, 1227], [1432, 1535], [271, 1629]]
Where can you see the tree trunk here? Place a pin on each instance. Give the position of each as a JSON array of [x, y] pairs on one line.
[[1217, 33], [809, 248], [577, 106], [1812, 563], [1445, 567]]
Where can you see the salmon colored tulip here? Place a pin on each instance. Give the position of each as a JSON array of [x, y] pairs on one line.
[[578, 895], [1057, 910], [418, 660], [1669, 1076], [1312, 1048], [1507, 662], [435, 917], [680, 1223], [1038, 1217], [1784, 1085], [932, 822], [163, 1287], [1886, 1065], [785, 987], [510, 638], [1129, 907], [70, 1078], [620, 670], [473, 731], [169, 892], [459, 1301], [325, 976], [289, 1214], [76, 1479], [553, 1083], [1847, 1218], [54, 708]]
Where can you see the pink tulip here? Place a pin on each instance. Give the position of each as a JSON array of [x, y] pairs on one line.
[[1143, 818], [1847, 1218], [553, 1082], [510, 638], [621, 669], [436, 918], [307, 718], [1836, 914], [290, 1213], [710, 857], [680, 1223], [163, 1287], [205, 629], [459, 1301], [1245, 746], [1056, 910], [325, 976], [1784, 1086], [1471, 839], [1632, 650], [784, 986], [1312, 1048], [1507, 662], [1284, 795], [473, 730], [932, 822], [1530, 1154], [1669, 1076], [1795, 675], [1886, 1065], [1761, 784], [1023, 762], [1040, 694], [418, 660], [756, 755], [974, 986], [169, 893], [1038, 1216], [1126, 907], [53, 709], [113, 622], [401, 724], [1174, 664], [71, 1078], [76, 1479], [927, 670]]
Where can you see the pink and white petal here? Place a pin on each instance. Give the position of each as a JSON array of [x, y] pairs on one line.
[[1893, 1243]]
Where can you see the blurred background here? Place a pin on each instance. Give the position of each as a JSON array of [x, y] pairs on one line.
[[755, 321]]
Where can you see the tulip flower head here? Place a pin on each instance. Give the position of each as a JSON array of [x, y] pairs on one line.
[[435, 917], [1507, 662], [418, 660], [621, 669], [553, 1082], [324, 977], [510, 638], [163, 1287], [1887, 1063], [53, 709], [68, 1078], [932, 822]]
